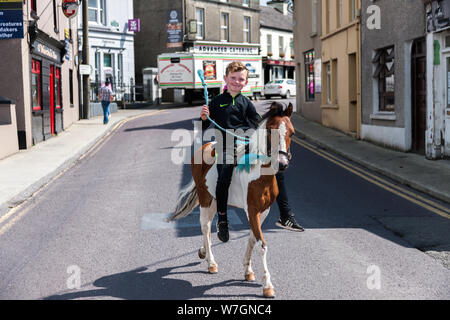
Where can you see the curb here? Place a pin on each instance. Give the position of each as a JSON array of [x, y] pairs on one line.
[[392, 175]]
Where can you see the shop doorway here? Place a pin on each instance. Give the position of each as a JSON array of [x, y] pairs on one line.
[[419, 95]]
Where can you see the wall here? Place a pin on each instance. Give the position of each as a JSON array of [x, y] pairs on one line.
[[306, 40], [396, 29]]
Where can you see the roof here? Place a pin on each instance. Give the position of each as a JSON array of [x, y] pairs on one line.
[[274, 19]]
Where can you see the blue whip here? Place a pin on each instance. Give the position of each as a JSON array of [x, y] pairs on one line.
[[205, 93]]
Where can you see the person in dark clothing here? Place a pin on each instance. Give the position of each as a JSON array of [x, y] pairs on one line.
[[287, 220], [231, 110]]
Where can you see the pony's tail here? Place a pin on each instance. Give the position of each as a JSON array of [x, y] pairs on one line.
[[187, 202]]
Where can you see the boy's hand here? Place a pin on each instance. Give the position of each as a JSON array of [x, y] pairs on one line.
[[204, 112]]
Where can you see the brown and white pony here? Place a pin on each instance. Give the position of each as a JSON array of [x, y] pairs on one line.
[[253, 190]]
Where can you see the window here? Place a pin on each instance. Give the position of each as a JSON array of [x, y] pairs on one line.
[[200, 17], [328, 71], [353, 9], [36, 85], [246, 3], [269, 45], [246, 29], [107, 60], [291, 46], [97, 11], [384, 62], [314, 17], [309, 76], [55, 16], [120, 68], [57, 88], [33, 5], [224, 34], [281, 46], [328, 16], [339, 13]]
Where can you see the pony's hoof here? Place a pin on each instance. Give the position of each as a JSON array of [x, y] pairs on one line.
[[201, 255], [250, 277], [269, 293], [213, 269]]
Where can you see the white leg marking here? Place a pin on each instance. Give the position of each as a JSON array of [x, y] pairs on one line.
[[206, 218]]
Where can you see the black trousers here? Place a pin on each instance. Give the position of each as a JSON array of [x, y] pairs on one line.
[[225, 173], [282, 199]]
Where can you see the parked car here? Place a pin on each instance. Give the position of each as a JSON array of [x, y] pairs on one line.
[[280, 87]]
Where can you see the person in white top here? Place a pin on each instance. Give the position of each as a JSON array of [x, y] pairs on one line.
[[106, 96]]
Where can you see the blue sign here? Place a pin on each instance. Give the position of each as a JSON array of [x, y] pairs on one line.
[[11, 24]]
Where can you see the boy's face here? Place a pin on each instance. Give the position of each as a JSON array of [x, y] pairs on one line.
[[236, 81]]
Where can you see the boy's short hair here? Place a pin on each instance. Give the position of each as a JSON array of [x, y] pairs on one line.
[[236, 66]]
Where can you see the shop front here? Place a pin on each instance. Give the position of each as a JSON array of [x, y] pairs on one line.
[[278, 69], [46, 87]]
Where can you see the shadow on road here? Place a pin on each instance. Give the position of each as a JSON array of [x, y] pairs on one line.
[[141, 285]]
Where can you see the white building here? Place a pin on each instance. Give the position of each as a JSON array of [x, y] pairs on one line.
[[111, 45], [277, 46]]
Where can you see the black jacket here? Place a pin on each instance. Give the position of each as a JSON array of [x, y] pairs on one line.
[[232, 113]]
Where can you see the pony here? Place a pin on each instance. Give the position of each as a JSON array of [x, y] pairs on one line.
[[253, 188]]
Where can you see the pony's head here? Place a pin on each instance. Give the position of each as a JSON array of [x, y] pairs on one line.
[[281, 130]]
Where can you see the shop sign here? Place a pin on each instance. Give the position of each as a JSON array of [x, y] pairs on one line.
[[174, 29], [46, 51], [11, 19], [225, 49], [67, 43], [134, 25]]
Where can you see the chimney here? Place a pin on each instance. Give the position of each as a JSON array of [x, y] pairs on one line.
[[281, 6]]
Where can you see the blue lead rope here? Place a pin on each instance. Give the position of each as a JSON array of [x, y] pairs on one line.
[[243, 140]]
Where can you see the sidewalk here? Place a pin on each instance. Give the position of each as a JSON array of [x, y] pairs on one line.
[[25, 172]]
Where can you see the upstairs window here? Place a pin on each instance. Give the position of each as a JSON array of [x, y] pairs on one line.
[[246, 29], [246, 3], [96, 11], [224, 29], [200, 17]]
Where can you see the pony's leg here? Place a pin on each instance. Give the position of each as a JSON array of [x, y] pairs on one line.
[[206, 218], [255, 224], [249, 274]]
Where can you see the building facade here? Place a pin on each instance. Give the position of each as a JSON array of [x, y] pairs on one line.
[[39, 71], [341, 104], [111, 46], [277, 41], [179, 25], [394, 74], [308, 58], [437, 135]]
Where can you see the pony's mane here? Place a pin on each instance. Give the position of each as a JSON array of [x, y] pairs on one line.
[[276, 109]]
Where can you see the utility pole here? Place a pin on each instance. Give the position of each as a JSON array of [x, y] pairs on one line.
[[86, 77]]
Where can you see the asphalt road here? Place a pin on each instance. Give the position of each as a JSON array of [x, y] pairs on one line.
[[98, 232]]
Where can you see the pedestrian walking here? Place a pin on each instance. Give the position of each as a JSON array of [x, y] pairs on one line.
[[105, 95]]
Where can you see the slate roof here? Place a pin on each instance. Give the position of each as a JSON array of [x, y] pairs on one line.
[[272, 18]]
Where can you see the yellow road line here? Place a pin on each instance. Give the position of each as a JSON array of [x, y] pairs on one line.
[[91, 151], [401, 192]]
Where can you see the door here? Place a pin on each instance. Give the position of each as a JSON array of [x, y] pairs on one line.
[[419, 95], [52, 99]]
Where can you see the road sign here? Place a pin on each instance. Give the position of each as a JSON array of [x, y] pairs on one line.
[[85, 69], [70, 8]]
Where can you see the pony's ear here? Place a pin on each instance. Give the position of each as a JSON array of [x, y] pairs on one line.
[[289, 110]]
